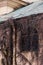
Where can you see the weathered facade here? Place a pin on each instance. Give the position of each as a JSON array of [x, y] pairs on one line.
[[31, 40], [21, 41], [6, 42]]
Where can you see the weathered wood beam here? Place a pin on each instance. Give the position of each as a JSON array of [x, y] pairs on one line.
[[16, 4], [20, 2], [13, 4]]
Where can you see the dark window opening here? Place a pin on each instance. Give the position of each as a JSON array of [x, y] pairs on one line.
[[35, 41], [28, 44]]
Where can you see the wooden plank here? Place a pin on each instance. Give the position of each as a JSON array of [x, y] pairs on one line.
[[13, 4], [20, 2]]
